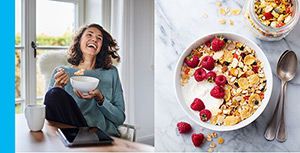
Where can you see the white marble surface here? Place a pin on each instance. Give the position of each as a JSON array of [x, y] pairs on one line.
[[177, 24]]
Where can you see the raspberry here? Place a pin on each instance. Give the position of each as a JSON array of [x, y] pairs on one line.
[[217, 43], [208, 63], [220, 80], [210, 76], [183, 127], [197, 105], [200, 74], [217, 92], [205, 115], [192, 61], [197, 139]]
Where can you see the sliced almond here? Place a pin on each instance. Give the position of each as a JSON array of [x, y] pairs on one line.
[[218, 55]]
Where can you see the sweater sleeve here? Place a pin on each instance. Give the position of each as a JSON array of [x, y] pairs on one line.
[[114, 109], [52, 80]]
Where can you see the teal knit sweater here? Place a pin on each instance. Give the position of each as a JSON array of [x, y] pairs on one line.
[[110, 114]]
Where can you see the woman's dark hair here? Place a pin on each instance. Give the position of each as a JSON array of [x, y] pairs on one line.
[[104, 58]]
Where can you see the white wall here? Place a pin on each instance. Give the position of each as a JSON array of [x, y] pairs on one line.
[[92, 11], [143, 48], [143, 68]]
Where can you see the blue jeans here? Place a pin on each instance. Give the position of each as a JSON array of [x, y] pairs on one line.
[[62, 108]]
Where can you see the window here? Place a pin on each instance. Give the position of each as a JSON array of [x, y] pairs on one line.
[[48, 24]]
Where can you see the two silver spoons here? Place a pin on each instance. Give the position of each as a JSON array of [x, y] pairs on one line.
[[286, 70]]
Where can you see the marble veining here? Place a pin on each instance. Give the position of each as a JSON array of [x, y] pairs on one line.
[[180, 22]]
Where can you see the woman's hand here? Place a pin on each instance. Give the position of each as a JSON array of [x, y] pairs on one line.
[[61, 78], [93, 93]]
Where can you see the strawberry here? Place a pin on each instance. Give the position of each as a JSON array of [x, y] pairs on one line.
[[192, 61], [255, 69], [208, 43], [197, 139], [208, 63], [187, 71], [197, 104], [287, 10], [217, 92], [220, 80], [268, 15], [210, 76], [205, 115], [183, 127], [235, 56], [280, 24], [277, 2], [200, 74], [217, 43]]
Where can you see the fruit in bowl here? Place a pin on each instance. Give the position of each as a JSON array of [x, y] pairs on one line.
[[84, 84], [237, 86]]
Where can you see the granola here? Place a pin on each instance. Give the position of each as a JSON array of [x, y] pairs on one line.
[[246, 81]]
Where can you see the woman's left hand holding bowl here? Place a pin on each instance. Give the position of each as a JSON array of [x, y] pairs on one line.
[[93, 93]]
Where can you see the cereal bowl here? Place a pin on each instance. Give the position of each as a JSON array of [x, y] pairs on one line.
[[84, 84], [266, 70]]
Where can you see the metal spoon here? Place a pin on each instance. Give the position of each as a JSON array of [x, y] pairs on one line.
[[282, 66], [286, 72]]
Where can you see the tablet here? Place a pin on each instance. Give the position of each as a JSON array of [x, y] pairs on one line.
[[83, 136]]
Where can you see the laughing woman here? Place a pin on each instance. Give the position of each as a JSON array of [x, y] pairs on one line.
[[92, 50]]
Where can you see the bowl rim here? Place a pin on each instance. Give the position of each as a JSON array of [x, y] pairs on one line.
[[260, 54], [94, 79]]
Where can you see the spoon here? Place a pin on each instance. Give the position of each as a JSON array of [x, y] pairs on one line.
[[271, 128], [285, 67], [286, 71]]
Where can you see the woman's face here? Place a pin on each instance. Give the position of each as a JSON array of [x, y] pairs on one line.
[[91, 41]]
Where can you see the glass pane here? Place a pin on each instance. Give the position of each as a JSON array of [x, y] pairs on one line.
[[17, 22], [54, 23], [18, 108], [17, 73], [39, 77]]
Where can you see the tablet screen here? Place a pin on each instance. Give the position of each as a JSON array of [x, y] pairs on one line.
[[83, 136]]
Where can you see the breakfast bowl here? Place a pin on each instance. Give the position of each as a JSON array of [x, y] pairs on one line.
[[234, 109], [84, 84]]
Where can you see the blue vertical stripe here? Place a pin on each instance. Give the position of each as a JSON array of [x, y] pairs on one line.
[[7, 89]]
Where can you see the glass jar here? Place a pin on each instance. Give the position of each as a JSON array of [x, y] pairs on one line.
[[266, 32]]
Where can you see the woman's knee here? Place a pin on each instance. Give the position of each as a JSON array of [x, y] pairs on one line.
[[54, 94]]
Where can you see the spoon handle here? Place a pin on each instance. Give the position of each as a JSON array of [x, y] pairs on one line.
[[281, 131], [271, 128]]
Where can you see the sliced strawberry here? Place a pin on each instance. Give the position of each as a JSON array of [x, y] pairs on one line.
[[268, 15], [287, 10], [235, 56], [280, 24], [255, 69], [208, 43], [187, 71]]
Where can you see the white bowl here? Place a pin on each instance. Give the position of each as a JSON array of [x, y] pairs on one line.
[[260, 55], [84, 84]]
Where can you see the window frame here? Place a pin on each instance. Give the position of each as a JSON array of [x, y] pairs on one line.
[[28, 34]]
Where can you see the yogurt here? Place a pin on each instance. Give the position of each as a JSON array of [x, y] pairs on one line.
[[193, 89]]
